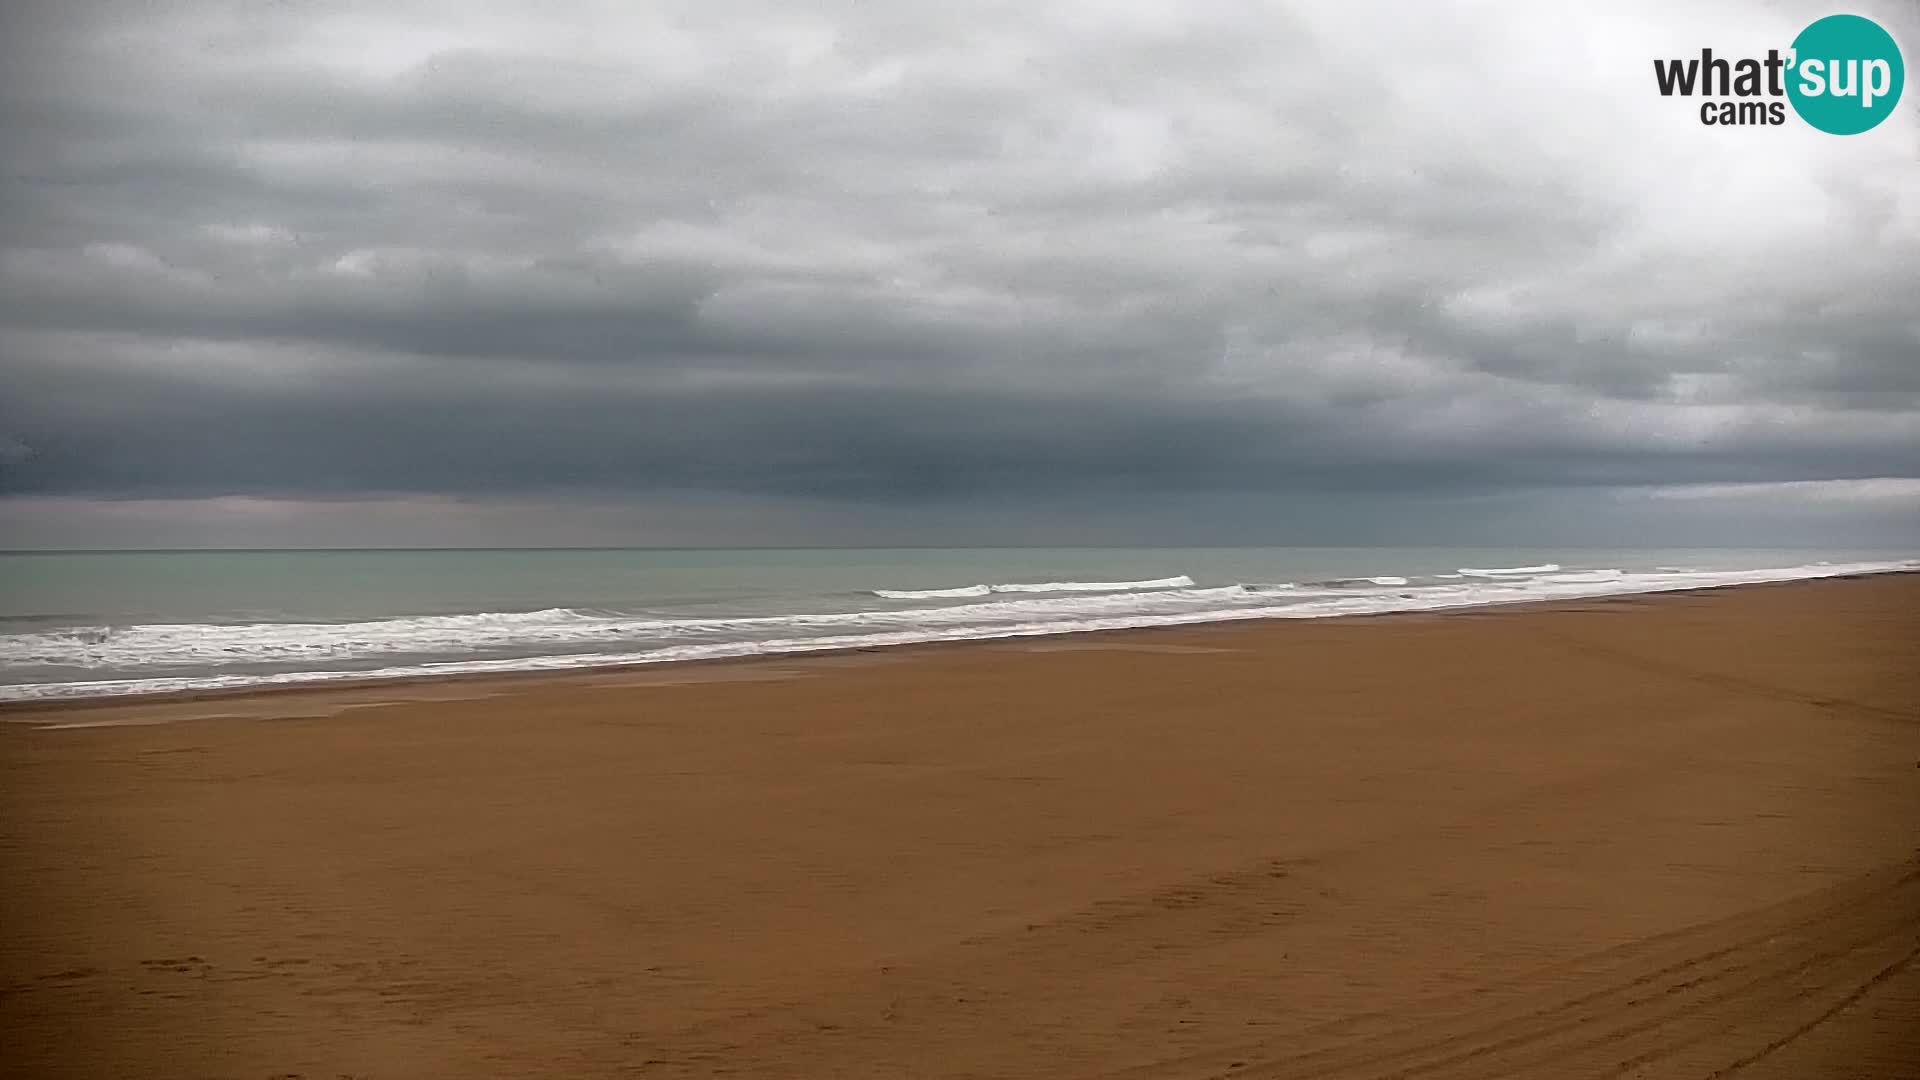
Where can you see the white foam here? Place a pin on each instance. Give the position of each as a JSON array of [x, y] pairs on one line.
[[1353, 582], [198, 645], [1581, 577], [1510, 571], [393, 648], [931, 594], [1181, 581]]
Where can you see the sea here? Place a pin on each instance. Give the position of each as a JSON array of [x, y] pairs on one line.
[[86, 624]]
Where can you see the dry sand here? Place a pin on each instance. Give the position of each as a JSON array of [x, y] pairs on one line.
[[1654, 837]]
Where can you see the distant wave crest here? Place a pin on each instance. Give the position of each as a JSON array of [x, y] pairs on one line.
[[932, 594], [1181, 581], [1353, 582], [1584, 577], [1510, 571]]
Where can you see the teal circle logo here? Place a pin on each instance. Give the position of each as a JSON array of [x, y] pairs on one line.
[[1846, 74]]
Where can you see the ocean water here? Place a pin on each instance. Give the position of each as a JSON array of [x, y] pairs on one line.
[[76, 624]]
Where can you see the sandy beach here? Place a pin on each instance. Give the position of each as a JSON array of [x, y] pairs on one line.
[[1669, 836]]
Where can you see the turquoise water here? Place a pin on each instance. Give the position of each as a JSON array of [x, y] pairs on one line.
[[116, 622]]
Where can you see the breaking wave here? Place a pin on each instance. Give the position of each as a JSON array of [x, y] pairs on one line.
[[932, 594], [80, 661], [1180, 582], [1510, 571]]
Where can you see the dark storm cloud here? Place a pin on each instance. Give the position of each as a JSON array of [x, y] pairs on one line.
[[324, 249]]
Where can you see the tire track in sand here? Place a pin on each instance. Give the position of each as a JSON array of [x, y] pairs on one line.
[[1705, 1002]]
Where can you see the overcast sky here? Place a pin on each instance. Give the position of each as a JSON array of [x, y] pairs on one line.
[[913, 272]]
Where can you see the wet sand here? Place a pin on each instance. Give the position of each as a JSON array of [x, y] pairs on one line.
[[1670, 836]]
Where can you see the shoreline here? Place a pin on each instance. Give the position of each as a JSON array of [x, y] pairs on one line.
[[509, 680], [1536, 840]]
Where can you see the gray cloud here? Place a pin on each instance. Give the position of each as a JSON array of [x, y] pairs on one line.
[[920, 254]]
